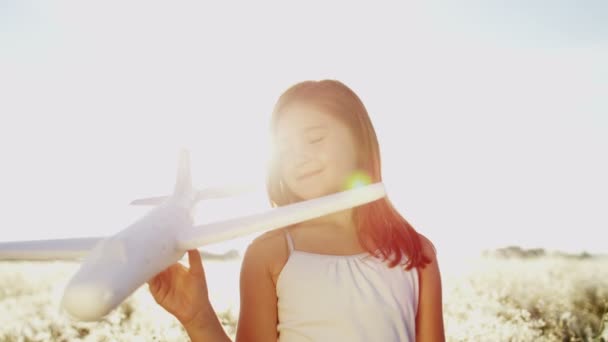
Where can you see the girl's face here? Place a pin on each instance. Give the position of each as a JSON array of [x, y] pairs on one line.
[[317, 152]]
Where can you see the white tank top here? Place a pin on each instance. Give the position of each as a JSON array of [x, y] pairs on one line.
[[324, 297]]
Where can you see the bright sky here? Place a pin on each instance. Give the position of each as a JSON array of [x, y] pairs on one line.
[[492, 120]]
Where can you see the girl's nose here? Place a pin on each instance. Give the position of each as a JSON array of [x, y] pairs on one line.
[[302, 153]]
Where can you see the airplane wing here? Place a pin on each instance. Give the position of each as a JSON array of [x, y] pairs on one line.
[[279, 217], [57, 249], [72, 249], [198, 236], [149, 200]]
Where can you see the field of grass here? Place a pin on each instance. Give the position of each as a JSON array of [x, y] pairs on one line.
[[547, 298], [490, 298]]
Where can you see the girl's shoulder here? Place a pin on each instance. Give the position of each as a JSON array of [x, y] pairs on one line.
[[269, 251], [269, 246], [272, 241], [428, 248]]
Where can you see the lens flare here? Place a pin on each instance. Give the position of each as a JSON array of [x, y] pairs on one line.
[[357, 179]]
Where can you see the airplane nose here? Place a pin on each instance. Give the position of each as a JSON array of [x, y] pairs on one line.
[[87, 302]]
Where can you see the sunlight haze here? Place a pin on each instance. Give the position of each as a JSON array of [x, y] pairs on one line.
[[492, 134]]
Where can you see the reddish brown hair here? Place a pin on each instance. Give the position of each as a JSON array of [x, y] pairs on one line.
[[379, 221]]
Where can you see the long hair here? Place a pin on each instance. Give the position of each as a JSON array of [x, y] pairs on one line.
[[377, 221]]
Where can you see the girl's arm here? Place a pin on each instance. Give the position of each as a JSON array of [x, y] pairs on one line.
[[258, 313], [429, 319], [206, 327]]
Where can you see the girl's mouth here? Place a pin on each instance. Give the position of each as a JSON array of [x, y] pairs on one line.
[[309, 174]]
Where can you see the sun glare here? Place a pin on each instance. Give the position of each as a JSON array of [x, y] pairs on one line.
[[357, 179]]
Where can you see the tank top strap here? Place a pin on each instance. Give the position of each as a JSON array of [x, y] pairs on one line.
[[289, 240]]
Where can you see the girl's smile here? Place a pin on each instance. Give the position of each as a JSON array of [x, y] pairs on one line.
[[309, 175]]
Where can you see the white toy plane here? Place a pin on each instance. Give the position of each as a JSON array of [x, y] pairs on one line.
[[114, 267]]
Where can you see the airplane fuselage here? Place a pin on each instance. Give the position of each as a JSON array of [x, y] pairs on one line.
[[119, 264]]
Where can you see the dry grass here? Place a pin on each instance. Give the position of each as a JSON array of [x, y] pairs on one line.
[[547, 298]]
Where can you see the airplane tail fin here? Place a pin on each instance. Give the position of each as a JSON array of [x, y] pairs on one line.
[[212, 192], [183, 185]]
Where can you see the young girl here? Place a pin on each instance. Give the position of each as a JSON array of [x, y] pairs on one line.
[[362, 274]]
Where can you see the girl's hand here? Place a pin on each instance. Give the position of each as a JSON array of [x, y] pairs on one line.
[[182, 291]]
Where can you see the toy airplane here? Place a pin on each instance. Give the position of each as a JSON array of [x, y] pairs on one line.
[[114, 267]]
